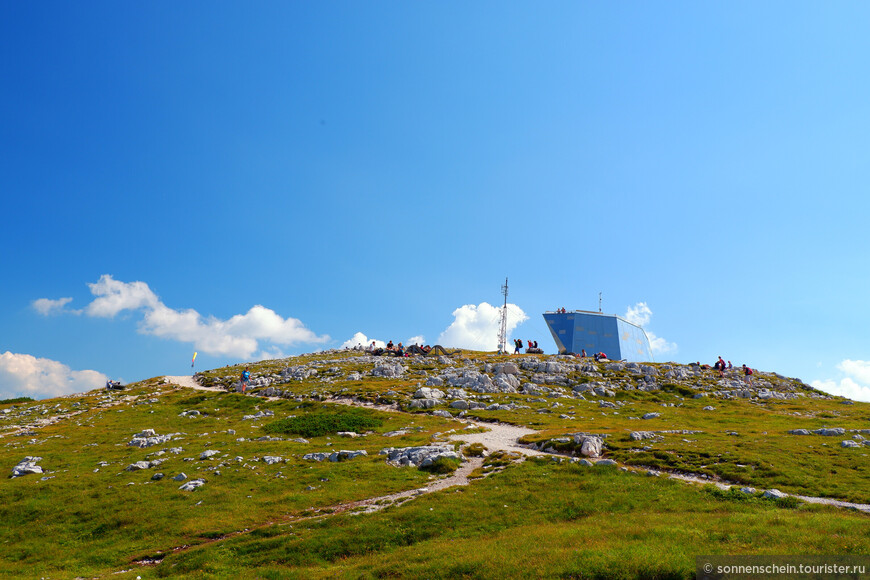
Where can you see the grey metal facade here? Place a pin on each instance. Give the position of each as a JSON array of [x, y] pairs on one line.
[[619, 339]]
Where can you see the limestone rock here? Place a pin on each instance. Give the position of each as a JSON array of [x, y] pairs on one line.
[[192, 484], [27, 466], [419, 456], [389, 370], [137, 466], [259, 415], [830, 432], [428, 393], [149, 438], [590, 446]]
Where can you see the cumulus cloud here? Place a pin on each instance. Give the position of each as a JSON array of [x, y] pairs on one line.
[[855, 385], [416, 340], [24, 375], [113, 296], [46, 306], [640, 314], [476, 327], [360, 338], [240, 336]]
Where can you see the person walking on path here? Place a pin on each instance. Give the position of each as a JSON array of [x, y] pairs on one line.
[[246, 376]]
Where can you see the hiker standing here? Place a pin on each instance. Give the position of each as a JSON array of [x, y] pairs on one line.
[[246, 376]]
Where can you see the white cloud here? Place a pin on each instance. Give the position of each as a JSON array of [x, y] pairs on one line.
[[476, 327], [240, 336], [416, 340], [855, 385], [640, 314], [24, 375], [859, 369], [46, 306], [114, 296], [360, 338]]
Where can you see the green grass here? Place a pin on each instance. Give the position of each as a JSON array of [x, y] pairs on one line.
[[319, 423], [539, 519], [285, 520]]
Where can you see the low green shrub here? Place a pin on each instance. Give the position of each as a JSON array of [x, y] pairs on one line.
[[322, 423], [475, 450], [442, 465], [16, 400]]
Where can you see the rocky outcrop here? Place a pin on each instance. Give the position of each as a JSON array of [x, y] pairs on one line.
[[149, 438], [422, 456], [27, 466]]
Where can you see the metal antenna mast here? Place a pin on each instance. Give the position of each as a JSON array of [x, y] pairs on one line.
[[599, 302], [502, 331]]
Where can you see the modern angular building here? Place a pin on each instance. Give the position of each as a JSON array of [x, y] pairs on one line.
[[578, 330]]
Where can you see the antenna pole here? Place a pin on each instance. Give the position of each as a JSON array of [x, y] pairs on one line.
[[599, 302], [502, 331]]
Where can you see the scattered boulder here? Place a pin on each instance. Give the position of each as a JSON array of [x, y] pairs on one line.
[[272, 460], [137, 466], [774, 494], [423, 403], [651, 415], [259, 415], [149, 438], [830, 432], [798, 432], [589, 446], [389, 370], [208, 454], [27, 466], [422, 456], [344, 455], [192, 484], [850, 443], [428, 393]]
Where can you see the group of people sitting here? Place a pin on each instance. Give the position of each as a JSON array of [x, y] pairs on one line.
[[533, 346], [397, 350], [116, 385], [720, 366]]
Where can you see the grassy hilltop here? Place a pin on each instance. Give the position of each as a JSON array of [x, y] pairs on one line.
[[103, 508]]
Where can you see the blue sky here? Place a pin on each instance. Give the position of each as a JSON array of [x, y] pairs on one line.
[[247, 180]]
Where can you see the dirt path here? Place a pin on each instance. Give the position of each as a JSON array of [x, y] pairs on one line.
[[189, 382], [497, 437]]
